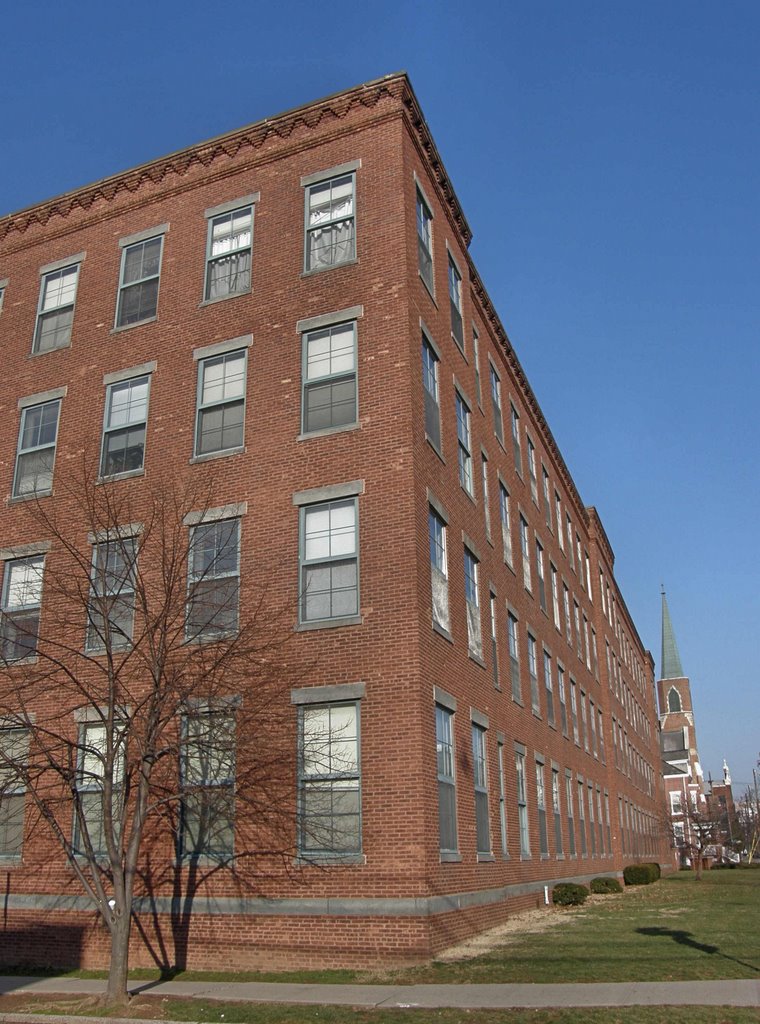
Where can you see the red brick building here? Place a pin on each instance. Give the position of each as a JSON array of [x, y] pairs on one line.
[[288, 316]]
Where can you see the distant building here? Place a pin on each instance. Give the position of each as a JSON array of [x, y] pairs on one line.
[[340, 381], [681, 768]]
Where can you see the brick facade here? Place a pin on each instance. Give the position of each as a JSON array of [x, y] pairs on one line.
[[400, 898]]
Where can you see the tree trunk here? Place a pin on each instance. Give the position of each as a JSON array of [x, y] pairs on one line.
[[116, 993]]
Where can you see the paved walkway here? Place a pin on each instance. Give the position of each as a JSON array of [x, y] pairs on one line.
[[640, 993]]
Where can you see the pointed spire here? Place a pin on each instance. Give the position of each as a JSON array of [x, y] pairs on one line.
[[671, 660]]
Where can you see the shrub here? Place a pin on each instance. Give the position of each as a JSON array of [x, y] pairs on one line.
[[656, 870], [641, 874], [604, 885], [568, 894]]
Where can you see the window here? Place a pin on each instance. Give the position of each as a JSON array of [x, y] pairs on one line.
[[329, 378], [213, 580], [221, 403], [208, 784], [574, 711], [562, 698], [592, 724], [587, 562], [329, 561], [600, 730], [14, 748], [101, 757], [674, 700], [516, 450], [425, 241], [556, 808], [676, 806], [535, 700], [522, 802], [566, 609], [582, 819], [3, 286], [486, 500], [570, 814], [607, 821], [55, 310], [494, 648], [540, 575], [228, 253], [330, 222], [476, 366], [601, 593], [558, 515], [111, 609], [480, 776], [525, 550], [578, 634], [584, 721], [543, 839], [138, 283], [498, 424], [36, 449], [464, 444], [506, 527], [502, 799], [594, 654], [430, 391], [569, 528], [474, 637], [591, 829], [124, 426], [555, 594], [22, 598], [447, 803], [532, 470], [455, 303], [549, 688], [547, 500], [580, 560], [586, 642], [514, 657], [600, 820], [439, 580]]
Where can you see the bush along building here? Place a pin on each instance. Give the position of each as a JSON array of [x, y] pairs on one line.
[[297, 589]]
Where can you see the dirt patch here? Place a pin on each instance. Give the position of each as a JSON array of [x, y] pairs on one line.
[[529, 922]]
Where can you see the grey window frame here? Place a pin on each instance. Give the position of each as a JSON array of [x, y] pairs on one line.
[[546, 491], [425, 264], [211, 580], [219, 789], [99, 635], [330, 379], [202, 408], [31, 612], [562, 693], [472, 602], [332, 781], [90, 800], [543, 832], [35, 449], [438, 549], [558, 514], [502, 798], [432, 399], [570, 813], [557, 812], [532, 472], [464, 443], [535, 699], [480, 783], [486, 493], [218, 214], [591, 817], [109, 431], [493, 612], [456, 302], [119, 323], [516, 443], [446, 776], [574, 711], [3, 286], [494, 381], [305, 564], [581, 817], [513, 635], [47, 274], [315, 181], [540, 575], [506, 524], [525, 551], [476, 366], [521, 789], [549, 688], [14, 747]]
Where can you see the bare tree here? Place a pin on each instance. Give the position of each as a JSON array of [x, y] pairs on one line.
[[144, 718], [701, 828]]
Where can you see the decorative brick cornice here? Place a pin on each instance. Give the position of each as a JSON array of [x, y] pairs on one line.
[[253, 136]]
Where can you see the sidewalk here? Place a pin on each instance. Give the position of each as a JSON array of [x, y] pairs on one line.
[[642, 993]]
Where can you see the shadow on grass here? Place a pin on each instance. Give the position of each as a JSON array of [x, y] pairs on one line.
[[684, 938]]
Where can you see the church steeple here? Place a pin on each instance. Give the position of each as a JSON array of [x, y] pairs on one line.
[[671, 659]]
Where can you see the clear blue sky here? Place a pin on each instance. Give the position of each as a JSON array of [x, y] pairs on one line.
[[607, 157]]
